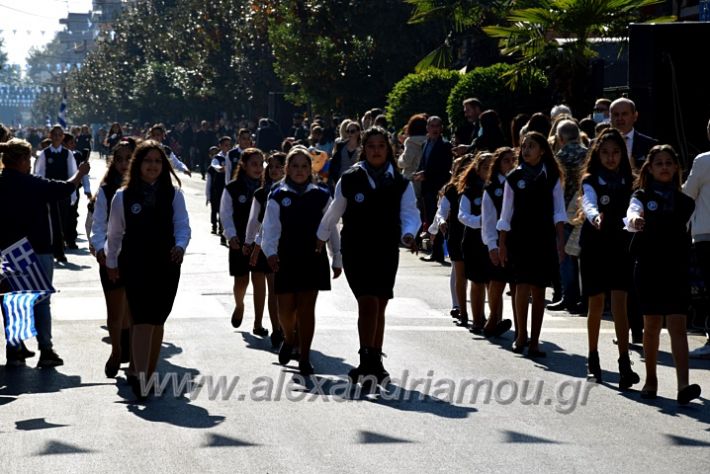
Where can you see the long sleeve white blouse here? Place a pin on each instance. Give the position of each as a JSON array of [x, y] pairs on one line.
[[117, 226]]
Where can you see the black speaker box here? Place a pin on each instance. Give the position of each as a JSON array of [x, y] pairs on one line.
[[668, 83]]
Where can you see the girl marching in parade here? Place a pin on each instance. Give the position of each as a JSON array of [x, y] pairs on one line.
[[475, 254], [117, 314], [293, 213], [447, 222], [503, 163], [148, 232], [372, 197], [234, 211], [658, 215], [531, 229], [273, 173], [605, 263]]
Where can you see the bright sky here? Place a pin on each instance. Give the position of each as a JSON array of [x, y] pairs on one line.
[[27, 23]]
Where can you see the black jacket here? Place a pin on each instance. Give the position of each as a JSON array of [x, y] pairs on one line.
[[641, 146], [24, 211], [437, 167]]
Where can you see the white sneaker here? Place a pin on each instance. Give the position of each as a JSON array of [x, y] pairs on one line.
[[702, 352]]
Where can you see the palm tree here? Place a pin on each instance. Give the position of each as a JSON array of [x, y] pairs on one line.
[[459, 23], [555, 35]]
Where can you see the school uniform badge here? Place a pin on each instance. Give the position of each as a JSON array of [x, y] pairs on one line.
[[286, 202], [242, 199], [136, 208], [50, 160], [604, 199], [522, 184], [652, 205], [477, 201], [499, 192], [359, 197]]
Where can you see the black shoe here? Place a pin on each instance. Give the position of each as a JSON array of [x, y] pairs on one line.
[[627, 377], [214, 230], [648, 394], [463, 321], [263, 332], [25, 352], [536, 353], [518, 349], [285, 353], [455, 313], [61, 259], [476, 329], [49, 358], [365, 368], [277, 337], [305, 368], [236, 319], [594, 370], [577, 308], [125, 345], [111, 368], [223, 241], [556, 306], [72, 246], [378, 368], [688, 393], [501, 328], [14, 357], [135, 384], [428, 259]]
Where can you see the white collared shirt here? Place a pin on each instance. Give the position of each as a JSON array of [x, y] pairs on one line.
[[559, 213], [228, 166], [629, 137], [99, 224], [271, 228], [117, 226], [489, 218], [408, 212], [40, 167]]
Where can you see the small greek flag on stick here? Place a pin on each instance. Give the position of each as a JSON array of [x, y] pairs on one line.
[[22, 272], [62, 115]]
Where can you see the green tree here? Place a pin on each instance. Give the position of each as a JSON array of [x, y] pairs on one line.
[[488, 84], [554, 35], [344, 55], [166, 60], [461, 40], [426, 92]]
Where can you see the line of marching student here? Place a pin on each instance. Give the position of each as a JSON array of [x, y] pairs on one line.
[[523, 246], [504, 223]]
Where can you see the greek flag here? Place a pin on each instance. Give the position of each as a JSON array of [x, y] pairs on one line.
[[19, 315], [62, 115], [22, 272]]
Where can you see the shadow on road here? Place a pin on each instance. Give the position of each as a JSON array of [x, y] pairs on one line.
[[172, 407], [16, 381], [392, 395]]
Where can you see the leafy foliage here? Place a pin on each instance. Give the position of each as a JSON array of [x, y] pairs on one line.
[[344, 54], [427, 92], [461, 40], [489, 85], [530, 35], [174, 58]]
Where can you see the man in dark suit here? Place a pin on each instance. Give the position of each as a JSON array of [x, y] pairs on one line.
[[434, 172], [623, 117]]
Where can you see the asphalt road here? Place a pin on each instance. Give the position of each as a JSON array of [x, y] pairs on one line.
[[540, 416]]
